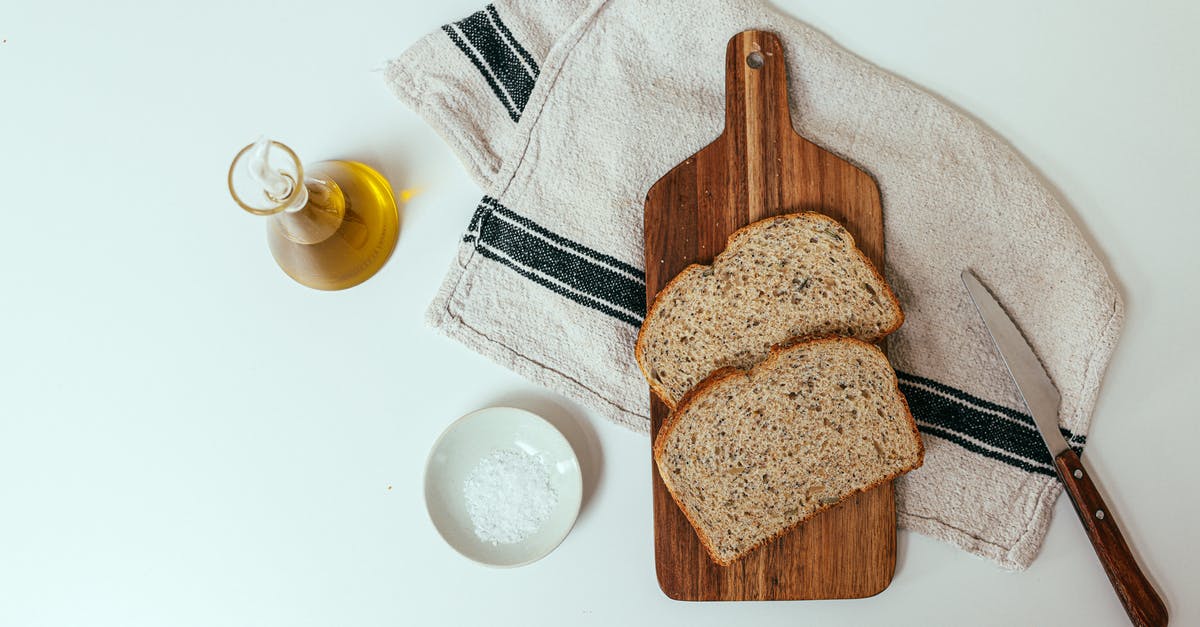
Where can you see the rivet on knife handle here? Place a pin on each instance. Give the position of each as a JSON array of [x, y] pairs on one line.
[[1141, 601]]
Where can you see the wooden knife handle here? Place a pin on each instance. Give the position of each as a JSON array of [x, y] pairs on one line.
[[1141, 601]]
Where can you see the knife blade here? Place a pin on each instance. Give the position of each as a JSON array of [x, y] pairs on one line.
[[1137, 594], [1034, 385]]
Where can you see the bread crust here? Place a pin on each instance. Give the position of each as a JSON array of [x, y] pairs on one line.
[[639, 346], [728, 372]]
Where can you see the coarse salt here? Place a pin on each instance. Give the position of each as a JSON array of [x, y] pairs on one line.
[[509, 496]]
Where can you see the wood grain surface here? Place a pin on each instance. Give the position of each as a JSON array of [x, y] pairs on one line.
[[757, 168]]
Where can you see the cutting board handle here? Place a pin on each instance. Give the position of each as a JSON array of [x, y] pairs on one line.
[[758, 122], [756, 95]]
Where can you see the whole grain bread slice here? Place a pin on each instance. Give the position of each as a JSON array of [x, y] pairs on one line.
[[748, 455], [778, 279]]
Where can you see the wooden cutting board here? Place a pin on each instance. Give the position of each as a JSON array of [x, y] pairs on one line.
[[760, 167]]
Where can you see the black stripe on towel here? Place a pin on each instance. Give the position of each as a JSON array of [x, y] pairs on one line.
[[972, 423], [579, 248], [954, 437], [963, 397], [571, 268], [558, 289], [505, 64], [481, 212], [512, 41], [508, 107], [574, 271]]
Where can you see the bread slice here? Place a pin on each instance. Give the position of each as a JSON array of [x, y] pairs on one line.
[[778, 279], [748, 455]]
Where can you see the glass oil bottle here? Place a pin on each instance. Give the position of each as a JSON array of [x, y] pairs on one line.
[[330, 226]]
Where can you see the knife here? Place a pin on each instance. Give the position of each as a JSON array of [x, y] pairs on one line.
[[1138, 596]]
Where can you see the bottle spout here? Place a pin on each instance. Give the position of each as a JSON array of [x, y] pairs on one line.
[[258, 165], [266, 177]]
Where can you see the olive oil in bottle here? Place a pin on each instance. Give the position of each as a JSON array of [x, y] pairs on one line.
[[330, 226]]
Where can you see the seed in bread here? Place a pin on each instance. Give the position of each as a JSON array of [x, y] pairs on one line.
[[798, 275], [748, 455]]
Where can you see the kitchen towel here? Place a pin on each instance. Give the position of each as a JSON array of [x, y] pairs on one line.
[[566, 111]]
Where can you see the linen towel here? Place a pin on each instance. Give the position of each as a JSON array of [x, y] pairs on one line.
[[566, 111]]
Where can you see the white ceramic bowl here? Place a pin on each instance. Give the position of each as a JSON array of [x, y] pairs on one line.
[[475, 436]]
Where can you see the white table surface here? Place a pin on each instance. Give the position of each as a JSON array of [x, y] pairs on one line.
[[189, 438]]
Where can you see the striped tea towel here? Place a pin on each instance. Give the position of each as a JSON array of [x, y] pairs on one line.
[[566, 111]]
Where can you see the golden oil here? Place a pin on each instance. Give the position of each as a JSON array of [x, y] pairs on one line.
[[336, 232]]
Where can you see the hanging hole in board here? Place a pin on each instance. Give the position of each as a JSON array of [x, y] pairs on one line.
[[755, 60]]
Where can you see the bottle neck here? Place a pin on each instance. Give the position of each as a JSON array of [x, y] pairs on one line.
[[316, 214]]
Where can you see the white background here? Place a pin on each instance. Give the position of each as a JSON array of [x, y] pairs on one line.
[[189, 438]]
